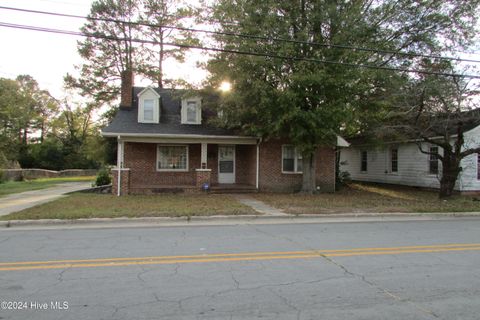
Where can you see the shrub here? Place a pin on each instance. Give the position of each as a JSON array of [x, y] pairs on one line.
[[3, 161], [343, 178], [103, 178]]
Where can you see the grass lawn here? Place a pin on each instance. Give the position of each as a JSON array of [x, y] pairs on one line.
[[10, 187], [81, 205], [366, 198]]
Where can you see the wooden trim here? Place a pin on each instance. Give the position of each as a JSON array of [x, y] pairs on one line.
[[191, 139]]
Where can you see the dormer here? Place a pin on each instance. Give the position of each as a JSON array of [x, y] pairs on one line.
[[148, 106], [191, 110]]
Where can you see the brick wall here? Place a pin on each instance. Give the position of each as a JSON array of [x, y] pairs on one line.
[[246, 164], [141, 159], [203, 176], [124, 181], [30, 174], [325, 176], [272, 179], [212, 162]]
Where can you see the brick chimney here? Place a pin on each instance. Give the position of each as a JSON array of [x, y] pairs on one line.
[[126, 98]]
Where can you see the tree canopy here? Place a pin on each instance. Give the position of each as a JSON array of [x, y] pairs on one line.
[[307, 87], [39, 131], [128, 35]]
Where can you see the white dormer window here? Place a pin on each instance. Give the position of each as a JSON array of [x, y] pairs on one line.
[[148, 106], [192, 111]]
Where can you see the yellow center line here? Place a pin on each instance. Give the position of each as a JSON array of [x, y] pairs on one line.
[[61, 264], [242, 254]]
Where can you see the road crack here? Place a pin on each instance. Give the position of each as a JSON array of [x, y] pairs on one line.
[[385, 291], [287, 303], [378, 287]]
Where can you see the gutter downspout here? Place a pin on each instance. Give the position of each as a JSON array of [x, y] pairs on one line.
[[119, 164], [258, 163], [337, 154]]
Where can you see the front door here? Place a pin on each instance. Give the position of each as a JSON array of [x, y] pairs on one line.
[[226, 164]]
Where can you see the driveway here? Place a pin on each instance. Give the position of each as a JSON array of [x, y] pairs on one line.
[[19, 201]]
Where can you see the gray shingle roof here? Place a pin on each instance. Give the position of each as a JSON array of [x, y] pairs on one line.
[[126, 119], [432, 127]]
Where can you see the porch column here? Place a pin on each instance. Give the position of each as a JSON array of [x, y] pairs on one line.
[[120, 153], [203, 178], [203, 161], [119, 165], [203, 174], [121, 175]]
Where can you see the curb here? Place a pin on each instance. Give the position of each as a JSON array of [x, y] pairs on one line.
[[158, 221]]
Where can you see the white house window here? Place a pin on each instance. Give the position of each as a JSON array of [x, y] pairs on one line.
[[172, 158], [291, 160], [192, 111], [364, 161], [148, 109], [433, 160], [394, 160], [148, 106]]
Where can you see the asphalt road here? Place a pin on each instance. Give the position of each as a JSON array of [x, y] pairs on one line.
[[375, 270]]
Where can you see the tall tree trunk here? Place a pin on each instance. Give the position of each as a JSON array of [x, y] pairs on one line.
[[308, 180], [450, 172], [160, 61], [25, 136], [447, 183], [42, 131]]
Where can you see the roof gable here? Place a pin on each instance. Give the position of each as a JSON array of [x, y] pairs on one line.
[[148, 89]]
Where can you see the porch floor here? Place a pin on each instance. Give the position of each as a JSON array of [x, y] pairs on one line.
[[216, 188]]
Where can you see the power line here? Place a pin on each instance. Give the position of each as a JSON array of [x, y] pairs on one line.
[[248, 36], [248, 53]]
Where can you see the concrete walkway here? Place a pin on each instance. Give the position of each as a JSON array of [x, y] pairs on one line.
[[259, 206], [19, 201]]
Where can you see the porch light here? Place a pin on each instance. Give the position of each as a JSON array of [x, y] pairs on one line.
[[225, 86]]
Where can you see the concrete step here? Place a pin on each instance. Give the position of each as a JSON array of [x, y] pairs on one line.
[[232, 190]]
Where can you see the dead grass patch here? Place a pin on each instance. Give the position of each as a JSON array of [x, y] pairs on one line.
[[370, 198], [79, 205]]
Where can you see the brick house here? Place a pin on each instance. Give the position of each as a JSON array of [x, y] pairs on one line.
[[165, 143]]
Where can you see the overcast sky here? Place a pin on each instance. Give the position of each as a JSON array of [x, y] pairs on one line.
[[47, 56]]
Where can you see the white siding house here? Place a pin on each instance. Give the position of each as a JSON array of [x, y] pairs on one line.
[[404, 164]]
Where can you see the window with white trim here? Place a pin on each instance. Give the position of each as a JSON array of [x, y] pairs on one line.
[[148, 109], [172, 158], [291, 160], [148, 106], [192, 111], [433, 160], [394, 160], [363, 161]]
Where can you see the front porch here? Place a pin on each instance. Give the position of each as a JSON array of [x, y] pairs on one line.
[[214, 189], [233, 188], [182, 166]]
